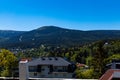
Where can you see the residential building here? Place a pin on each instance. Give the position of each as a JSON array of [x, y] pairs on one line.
[[46, 67], [113, 72], [114, 65]]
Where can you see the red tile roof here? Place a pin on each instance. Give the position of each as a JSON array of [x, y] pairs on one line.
[[80, 65], [109, 74], [24, 59]]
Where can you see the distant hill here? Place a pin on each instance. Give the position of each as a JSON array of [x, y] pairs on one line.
[[7, 34], [56, 36]]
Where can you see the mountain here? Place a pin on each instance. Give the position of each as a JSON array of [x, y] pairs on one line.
[[7, 34], [56, 36]]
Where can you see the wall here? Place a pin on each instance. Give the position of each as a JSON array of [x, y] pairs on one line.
[[45, 73]]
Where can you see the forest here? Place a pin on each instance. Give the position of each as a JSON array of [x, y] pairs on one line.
[[95, 55]]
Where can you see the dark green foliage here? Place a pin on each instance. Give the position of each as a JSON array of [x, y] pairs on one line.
[[84, 73], [33, 53], [7, 34], [10, 33], [99, 56], [55, 36]]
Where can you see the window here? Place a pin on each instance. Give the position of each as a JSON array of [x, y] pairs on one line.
[[118, 66], [64, 68], [56, 74], [42, 75], [55, 67], [39, 68], [32, 68], [48, 66], [43, 69], [64, 75], [49, 72], [35, 74]]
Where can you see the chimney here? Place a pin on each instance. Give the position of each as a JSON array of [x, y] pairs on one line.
[[23, 70], [113, 66]]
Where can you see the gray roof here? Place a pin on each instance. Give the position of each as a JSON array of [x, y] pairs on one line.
[[55, 61]]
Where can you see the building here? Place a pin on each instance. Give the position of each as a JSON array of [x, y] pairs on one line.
[[46, 67], [113, 72], [114, 65]]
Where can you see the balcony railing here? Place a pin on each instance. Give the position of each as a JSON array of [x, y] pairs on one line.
[[59, 70]]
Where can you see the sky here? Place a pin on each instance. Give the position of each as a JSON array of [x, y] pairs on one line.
[[25, 15]]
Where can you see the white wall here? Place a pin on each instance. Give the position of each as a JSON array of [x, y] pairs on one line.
[[23, 70], [116, 75]]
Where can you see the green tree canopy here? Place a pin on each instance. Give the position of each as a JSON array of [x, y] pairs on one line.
[[7, 62]]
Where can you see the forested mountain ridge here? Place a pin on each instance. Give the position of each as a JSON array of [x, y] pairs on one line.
[[7, 34], [56, 36]]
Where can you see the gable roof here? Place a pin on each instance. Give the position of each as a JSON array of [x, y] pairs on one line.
[[55, 61]]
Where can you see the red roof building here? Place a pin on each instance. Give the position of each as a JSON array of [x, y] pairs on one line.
[[111, 74]]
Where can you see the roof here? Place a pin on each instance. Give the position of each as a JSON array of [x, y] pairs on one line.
[[25, 60], [80, 65], [55, 61], [111, 73]]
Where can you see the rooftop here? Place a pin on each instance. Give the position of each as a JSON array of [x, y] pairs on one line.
[[56, 61], [111, 73]]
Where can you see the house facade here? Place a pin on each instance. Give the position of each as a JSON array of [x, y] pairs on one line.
[[46, 67]]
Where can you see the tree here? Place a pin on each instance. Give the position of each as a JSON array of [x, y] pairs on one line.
[[84, 73], [113, 57], [98, 61], [89, 60], [88, 74], [7, 62]]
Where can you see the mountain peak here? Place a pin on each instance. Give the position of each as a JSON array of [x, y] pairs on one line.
[[48, 27]]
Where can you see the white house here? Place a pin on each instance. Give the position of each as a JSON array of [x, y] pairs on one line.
[[46, 67]]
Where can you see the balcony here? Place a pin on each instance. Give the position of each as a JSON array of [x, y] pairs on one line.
[[59, 70]]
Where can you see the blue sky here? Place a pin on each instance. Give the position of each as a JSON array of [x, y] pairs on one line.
[[74, 14]]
